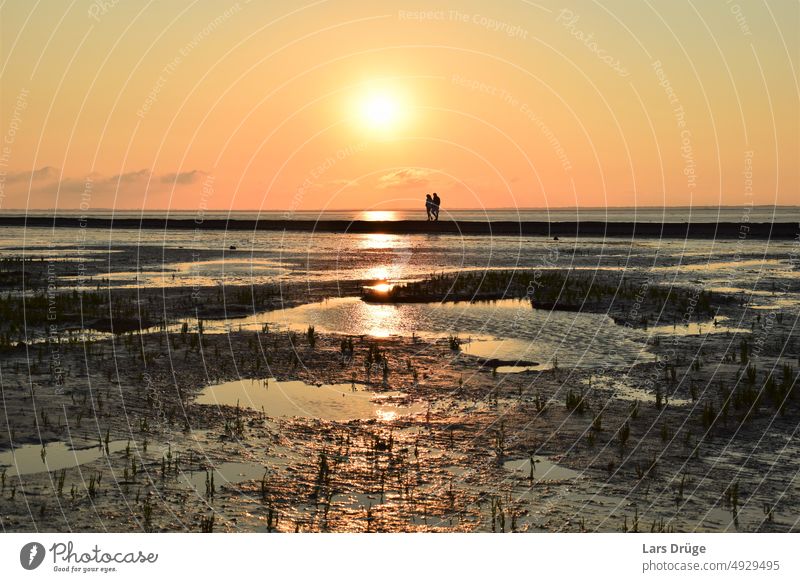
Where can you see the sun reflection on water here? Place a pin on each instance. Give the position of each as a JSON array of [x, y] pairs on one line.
[[378, 215], [380, 320], [390, 253], [380, 287], [376, 241], [378, 273], [386, 415]]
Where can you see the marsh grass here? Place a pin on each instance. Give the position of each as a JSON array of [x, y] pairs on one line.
[[323, 475], [147, 514], [731, 499], [207, 523], [532, 461], [94, 484], [576, 402], [693, 391], [311, 336], [346, 348], [665, 432], [498, 513], [210, 488], [539, 403], [62, 475], [659, 526], [264, 486], [709, 415], [623, 434], [679, 491], [769, 512], [500, 443], [750, 374]]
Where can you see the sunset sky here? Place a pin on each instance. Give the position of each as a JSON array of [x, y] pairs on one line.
[[351, 104]]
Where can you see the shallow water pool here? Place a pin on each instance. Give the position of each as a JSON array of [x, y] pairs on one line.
[[338, 402], [54, 456]]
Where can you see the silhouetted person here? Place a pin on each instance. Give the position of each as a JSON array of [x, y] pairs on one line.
[[436, 203], [429, 206]]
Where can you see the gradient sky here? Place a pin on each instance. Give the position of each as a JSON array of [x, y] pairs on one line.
[[349, 104]]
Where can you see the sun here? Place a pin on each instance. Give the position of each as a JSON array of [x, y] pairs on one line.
[[380, 110]]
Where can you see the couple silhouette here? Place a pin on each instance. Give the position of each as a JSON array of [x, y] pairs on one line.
[[432, 206]]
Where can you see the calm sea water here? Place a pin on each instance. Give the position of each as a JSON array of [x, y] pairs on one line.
[[613, 214]]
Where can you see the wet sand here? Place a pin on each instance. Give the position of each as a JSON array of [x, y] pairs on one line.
[[686, 441]]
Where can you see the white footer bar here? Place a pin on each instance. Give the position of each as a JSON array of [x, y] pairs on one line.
[[387, 557]]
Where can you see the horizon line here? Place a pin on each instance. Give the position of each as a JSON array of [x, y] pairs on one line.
[[498, 208]]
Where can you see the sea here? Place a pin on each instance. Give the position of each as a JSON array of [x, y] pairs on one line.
[[648, 214]]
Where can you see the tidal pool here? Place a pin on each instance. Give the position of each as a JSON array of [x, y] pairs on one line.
[[339, 402], [232, 271], [225, 473], [543, 469], [53, 456], [508, 329], [623, 391], [714, 326], [517, 369]]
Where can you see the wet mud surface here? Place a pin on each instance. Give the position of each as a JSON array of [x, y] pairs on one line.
[[266, 425]]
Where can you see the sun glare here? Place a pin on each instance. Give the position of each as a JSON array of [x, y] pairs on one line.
[[378, 215], [380, 110], [382, 287]]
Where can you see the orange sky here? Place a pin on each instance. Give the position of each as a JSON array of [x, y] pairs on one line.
[[349, 104]]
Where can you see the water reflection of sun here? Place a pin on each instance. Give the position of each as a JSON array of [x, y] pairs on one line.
[[386, 415], [381, 287], [377, 241], [378, 215], [380, 320], [390, 253]]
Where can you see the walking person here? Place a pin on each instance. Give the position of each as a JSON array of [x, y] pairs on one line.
[[429, 206], [437, 202]]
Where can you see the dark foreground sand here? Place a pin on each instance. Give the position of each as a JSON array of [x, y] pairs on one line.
[[717, 453]]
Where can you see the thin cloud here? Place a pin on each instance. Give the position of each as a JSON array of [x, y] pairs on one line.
[[190, 177], [131, 177], [45, 173], [405, 178], [45, 188]]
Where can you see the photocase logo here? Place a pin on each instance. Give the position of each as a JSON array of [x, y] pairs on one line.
[[31, 555]]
